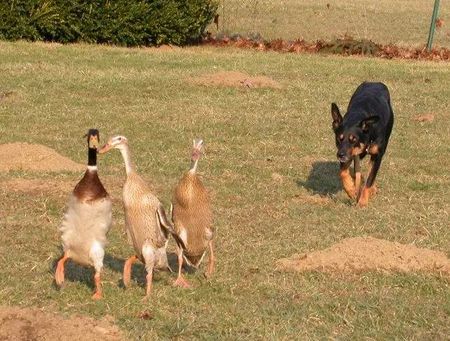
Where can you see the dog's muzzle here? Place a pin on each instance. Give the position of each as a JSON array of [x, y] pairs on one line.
[[343, 157]]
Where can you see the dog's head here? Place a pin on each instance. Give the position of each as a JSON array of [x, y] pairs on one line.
[[351, 140]]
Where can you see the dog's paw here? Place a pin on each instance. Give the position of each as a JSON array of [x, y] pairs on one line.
[[363, 200]]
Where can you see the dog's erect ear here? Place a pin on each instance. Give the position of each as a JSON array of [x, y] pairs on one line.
[[337, 117], [368, 122]]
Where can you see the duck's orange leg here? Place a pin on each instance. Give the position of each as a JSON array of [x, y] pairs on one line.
[[59, 273], [180, 281], [127, 270], [149, 279], [98, 287], [212, 260]]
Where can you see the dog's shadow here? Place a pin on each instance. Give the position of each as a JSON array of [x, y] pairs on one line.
[[323, 179]]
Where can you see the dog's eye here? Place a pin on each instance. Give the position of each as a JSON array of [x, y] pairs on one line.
[[352, 138], [341, 137]]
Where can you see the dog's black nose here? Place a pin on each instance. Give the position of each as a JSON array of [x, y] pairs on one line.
[[341, 155]]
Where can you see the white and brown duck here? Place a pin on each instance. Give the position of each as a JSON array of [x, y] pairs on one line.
[[192, 218], [87, 220], [145, 219]]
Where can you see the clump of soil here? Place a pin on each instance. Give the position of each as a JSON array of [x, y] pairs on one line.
[[34, 324], [236, 79], [34, 157], [367, 253]]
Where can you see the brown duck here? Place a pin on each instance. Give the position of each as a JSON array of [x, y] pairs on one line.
[[87, 220], [192, 218], [145, 219]]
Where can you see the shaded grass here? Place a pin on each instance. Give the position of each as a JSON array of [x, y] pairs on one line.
[[250, 134]]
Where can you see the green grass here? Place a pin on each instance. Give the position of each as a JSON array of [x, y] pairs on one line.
[[402, 22], [250, 134]]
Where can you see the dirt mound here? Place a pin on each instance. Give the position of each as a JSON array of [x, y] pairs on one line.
[[235, 79], [37, 186], [367, 253], [34, 324], [58, 188], [34, 157]]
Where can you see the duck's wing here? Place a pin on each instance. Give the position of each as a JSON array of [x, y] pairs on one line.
[[168, 227]]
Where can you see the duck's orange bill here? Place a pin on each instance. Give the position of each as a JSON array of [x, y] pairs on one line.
[[105, 148]]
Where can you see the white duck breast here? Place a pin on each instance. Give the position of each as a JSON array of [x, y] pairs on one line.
[[85, 227]]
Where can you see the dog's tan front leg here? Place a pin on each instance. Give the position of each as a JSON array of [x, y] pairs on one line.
[[347, 180]]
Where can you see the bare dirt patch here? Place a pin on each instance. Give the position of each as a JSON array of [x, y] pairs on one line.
[[235, 79], [34, 157], [34, 324], [4, 95], [368, 254], [424, 118]]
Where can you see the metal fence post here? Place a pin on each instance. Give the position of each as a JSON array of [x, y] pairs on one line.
[[433, 25]]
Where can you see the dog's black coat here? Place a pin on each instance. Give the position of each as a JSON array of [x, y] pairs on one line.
[[365, 128]]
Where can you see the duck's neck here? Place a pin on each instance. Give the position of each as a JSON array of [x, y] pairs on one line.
[[129, 166], [92, 159], [193, 167]]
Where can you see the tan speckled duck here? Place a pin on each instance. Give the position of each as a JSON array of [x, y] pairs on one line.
[[145, 219], [192, 218], [87, 220]]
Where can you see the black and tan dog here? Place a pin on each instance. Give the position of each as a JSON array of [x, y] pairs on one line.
[[364, 129]]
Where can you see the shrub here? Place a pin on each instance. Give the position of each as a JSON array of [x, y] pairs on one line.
[[120, 22]]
